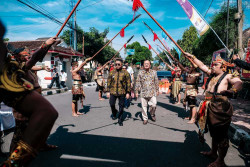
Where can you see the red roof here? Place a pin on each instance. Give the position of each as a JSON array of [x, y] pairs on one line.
[[33, 45]]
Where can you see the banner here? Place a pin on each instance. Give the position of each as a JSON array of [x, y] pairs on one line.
[[198, 22], [130, 51], [171, 44], [246, 73]]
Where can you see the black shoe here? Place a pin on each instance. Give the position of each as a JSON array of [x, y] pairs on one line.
[[113, 117], [120, 122]]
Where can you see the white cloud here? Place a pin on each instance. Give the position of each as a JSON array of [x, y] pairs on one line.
[[177, 18], [55, 3], [36, 20]]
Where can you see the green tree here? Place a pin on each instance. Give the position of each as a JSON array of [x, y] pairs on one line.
[[141, 53], [187, 42], [6, 39], [208, 43], [93, 42]]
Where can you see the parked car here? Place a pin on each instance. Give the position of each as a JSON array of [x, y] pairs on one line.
[[167, 75]]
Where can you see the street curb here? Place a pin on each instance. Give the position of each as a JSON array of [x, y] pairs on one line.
[[236, 135], [55, 91]]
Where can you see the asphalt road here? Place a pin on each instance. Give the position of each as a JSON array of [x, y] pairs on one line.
[[95, 140]]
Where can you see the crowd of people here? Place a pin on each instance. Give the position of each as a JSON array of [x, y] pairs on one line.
[[35, 116]]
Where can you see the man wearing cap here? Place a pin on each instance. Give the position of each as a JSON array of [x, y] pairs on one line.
[[118, 87], [216, 110]]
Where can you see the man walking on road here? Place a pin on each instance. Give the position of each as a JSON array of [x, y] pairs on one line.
[[55, 77], [119, 87], [147, 83], [63, 78]]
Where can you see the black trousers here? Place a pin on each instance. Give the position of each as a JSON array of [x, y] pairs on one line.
[[112, 102], [55, 79], [63, 84]]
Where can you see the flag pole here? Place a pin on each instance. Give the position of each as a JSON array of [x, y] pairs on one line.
[[212, 30]]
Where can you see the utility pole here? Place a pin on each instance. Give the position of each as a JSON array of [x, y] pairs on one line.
[[239, 19], [75, 38], [227, 22], [83, 43]]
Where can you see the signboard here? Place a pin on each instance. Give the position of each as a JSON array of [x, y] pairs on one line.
[[130, 51], [246, 73]]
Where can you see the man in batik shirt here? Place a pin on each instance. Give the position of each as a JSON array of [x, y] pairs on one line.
[[118, 87], [147, 83]]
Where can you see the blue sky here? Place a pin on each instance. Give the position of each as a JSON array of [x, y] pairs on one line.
[[25, 24]]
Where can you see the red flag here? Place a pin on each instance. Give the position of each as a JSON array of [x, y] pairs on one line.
[[125, 46], [155, 36], [149, 47], [122, 32], [136, 5]]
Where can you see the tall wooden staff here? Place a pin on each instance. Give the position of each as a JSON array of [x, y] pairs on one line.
[[156, 52], [68, 18], [137, 4], [122, 31], [124, 46], [156, 37]]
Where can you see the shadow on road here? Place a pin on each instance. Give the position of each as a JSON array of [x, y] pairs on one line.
[[174, 108], [79, 149]]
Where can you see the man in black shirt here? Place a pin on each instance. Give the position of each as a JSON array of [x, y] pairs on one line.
[[55, 77], [240, 63]]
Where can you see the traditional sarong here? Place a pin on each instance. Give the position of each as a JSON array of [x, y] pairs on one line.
[[216, 112], [176, 88], [77, 90], [100, 83], [191, 93]]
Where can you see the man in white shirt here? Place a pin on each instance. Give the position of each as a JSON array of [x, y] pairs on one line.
[[131, 72], [63, 76]]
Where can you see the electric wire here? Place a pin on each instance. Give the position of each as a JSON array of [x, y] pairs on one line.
[[44, 14], [208, 8]]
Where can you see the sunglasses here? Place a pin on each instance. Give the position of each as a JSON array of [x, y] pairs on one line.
[[117, 64]]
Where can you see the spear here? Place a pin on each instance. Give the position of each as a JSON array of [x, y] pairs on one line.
[[170, 60], [124, 46], [122, 31], [137, 4], [116, 35], [68, 18], [156, 37], [156, 53]]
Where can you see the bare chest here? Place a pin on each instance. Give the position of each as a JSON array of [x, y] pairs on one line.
[[223, 85]]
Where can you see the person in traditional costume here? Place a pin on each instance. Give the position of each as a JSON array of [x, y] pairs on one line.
[[191, 90], [77, 88], [100, 81], [22, 121], [176, 82], [215, 111], [17, 92]]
